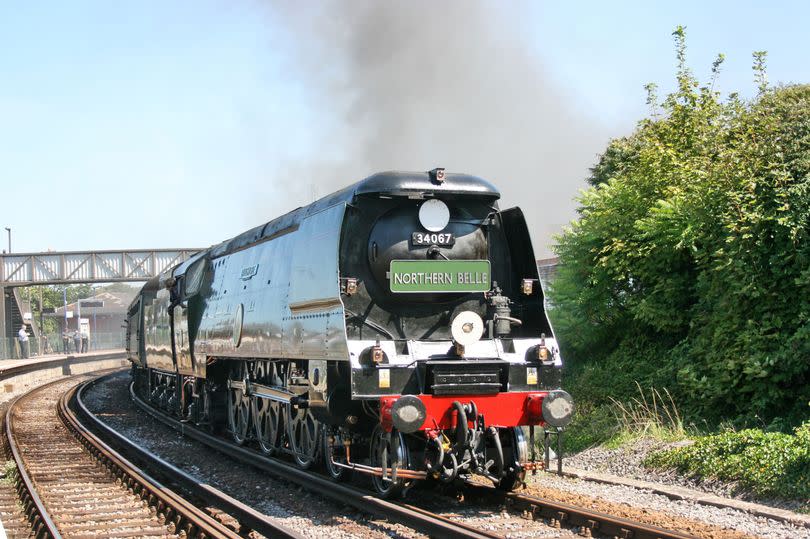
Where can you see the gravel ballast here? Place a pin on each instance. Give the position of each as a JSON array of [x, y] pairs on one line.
[[626, 462]]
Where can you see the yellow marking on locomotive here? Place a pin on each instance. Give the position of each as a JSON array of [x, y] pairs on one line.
[[385, 378]]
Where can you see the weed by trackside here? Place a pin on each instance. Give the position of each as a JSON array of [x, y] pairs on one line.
[[652, 414], [8, 472], [655, 416]]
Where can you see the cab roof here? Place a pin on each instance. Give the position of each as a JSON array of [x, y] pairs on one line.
[[404, 183], [391, 183]]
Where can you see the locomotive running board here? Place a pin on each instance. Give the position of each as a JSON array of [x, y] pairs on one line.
[[265, 392]]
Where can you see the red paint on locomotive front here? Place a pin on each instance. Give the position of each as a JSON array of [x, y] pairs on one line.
[[500, 410]]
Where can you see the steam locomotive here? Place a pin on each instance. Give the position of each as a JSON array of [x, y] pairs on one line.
[[395, 328]]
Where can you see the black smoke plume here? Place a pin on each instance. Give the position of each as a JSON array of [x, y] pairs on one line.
[[419, 84]]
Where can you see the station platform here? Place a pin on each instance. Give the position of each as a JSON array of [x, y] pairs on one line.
[[18, 374], [8, 365]]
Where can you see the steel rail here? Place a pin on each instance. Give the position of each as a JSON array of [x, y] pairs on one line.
[[186, 517], [413, 517], [41, 522], [573, 515], [245, 514]]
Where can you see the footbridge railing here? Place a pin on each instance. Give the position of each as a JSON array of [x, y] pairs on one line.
[[24, 269]]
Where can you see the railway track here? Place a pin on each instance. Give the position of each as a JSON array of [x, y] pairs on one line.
[[561, 514], [72, 484], [558, 514], [414, 517]]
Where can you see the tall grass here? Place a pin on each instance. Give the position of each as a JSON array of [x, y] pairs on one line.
[[648, 416]]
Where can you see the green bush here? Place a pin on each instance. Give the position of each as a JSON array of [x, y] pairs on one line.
[[591, 426], [770, 464], [688, 266]]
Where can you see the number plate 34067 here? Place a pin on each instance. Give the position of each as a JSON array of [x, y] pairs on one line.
[[432, 238]]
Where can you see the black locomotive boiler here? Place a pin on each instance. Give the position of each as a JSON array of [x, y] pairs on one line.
[[394, 328]]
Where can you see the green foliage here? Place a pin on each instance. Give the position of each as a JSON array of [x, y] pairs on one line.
[[52, 297], [592, 425], [770, 464], [688, 267]]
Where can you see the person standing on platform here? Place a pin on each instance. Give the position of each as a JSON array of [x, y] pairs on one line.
[[65, 342], [85, 340], [77, 341], [22, 335]]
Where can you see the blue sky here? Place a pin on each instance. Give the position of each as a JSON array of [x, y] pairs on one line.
[[179, 124], [608, 51]]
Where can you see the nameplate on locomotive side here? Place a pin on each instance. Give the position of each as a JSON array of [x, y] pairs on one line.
[[415, 276], [249, 271]]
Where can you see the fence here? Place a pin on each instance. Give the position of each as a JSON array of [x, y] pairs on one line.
[[53, 344]]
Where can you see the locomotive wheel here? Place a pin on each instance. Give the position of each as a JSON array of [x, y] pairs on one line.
[[267, 420], [383, 455], [238, 410], [304, 436], [515, 451], [335, 451]]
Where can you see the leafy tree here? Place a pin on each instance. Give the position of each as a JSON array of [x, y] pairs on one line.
[[689, 265], [53, 297]]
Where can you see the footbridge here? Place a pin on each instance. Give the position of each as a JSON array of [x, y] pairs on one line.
[[75, 267]]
